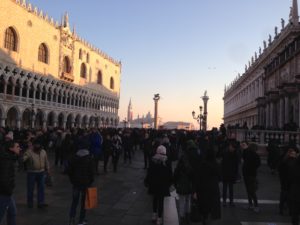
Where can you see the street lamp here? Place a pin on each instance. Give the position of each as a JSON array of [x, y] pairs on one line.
[[199, 117]]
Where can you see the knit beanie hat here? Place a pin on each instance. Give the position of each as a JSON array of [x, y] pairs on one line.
[[161, 150]]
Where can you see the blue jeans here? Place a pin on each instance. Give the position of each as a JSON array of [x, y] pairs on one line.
[[32, 178], [77, 191], [7, 204]]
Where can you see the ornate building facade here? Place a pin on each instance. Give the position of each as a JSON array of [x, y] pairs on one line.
[[268, 93], [49, 76]]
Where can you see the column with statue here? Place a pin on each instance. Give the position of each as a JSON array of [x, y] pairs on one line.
[[204, 121]]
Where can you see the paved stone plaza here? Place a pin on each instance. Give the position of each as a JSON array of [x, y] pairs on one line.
[[123, 200]]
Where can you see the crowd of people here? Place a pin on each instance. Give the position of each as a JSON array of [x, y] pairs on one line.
[[194, 163]]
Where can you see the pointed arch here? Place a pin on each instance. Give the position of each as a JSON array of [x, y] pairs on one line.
[[43, 53], [83, 70], [11, 39]]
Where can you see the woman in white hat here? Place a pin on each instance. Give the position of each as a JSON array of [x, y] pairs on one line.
[[158, 181]]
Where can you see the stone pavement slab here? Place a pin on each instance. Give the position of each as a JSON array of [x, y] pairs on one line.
[[123, 200]]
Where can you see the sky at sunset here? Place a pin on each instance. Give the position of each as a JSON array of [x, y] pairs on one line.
[[177, 48]]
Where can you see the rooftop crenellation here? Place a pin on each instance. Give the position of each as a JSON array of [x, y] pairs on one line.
[[38, 12]]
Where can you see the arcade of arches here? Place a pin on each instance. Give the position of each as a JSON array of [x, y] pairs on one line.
[[33, 101]]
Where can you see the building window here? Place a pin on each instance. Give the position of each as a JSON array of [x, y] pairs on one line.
[[99, 78], [67, 66], [80, 53], [43, 53], [11, 39], [83, 71], [87, 57], [112, 83]]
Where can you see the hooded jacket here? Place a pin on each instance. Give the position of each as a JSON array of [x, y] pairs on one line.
[[81, 169]]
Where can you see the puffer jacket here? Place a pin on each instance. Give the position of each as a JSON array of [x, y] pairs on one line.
[[7, 172], [81, 169]]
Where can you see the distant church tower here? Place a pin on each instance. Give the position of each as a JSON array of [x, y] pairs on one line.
[[129, 112]]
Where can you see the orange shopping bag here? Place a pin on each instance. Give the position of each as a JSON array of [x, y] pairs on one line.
[[91, 198]]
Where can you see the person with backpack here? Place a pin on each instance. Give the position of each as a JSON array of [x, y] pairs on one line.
[[81, 174]]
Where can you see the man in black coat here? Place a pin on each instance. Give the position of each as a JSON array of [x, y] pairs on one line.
[[294, 189], [8, 157], [81, 173], [230, 165], [249, 168]]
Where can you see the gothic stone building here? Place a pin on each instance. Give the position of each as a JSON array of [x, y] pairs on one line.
[[268, 93], [51, 77]]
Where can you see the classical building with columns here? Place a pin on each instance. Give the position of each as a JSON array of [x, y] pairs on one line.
[[268, 93], [49, 76]]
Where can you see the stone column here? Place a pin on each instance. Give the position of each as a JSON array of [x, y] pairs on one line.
[[44, 124], [55, 123], [64, 124], [2, 122], [299, 109], [72, 122], [21, 91], [33, 120], [271, 114], [281, 108], [5, 88], [18, 123], [286, 110], [267, 115]]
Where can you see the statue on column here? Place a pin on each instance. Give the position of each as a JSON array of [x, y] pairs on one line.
[[276, 31], [265, 44]]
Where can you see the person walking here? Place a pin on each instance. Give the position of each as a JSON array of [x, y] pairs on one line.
[[8, 157], [96, 147], [230, 165], [251, 163], [206, 183], [81, 173], [37, 164], [294, 186], [116, 144], [158, 180], [287, 160], [183, 178]]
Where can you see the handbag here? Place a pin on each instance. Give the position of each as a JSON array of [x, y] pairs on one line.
[[91, 198]]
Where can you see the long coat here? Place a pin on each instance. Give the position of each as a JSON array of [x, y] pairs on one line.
[[294, 188], [206, 181], [7, 172], [158, 178], [230, 165]]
